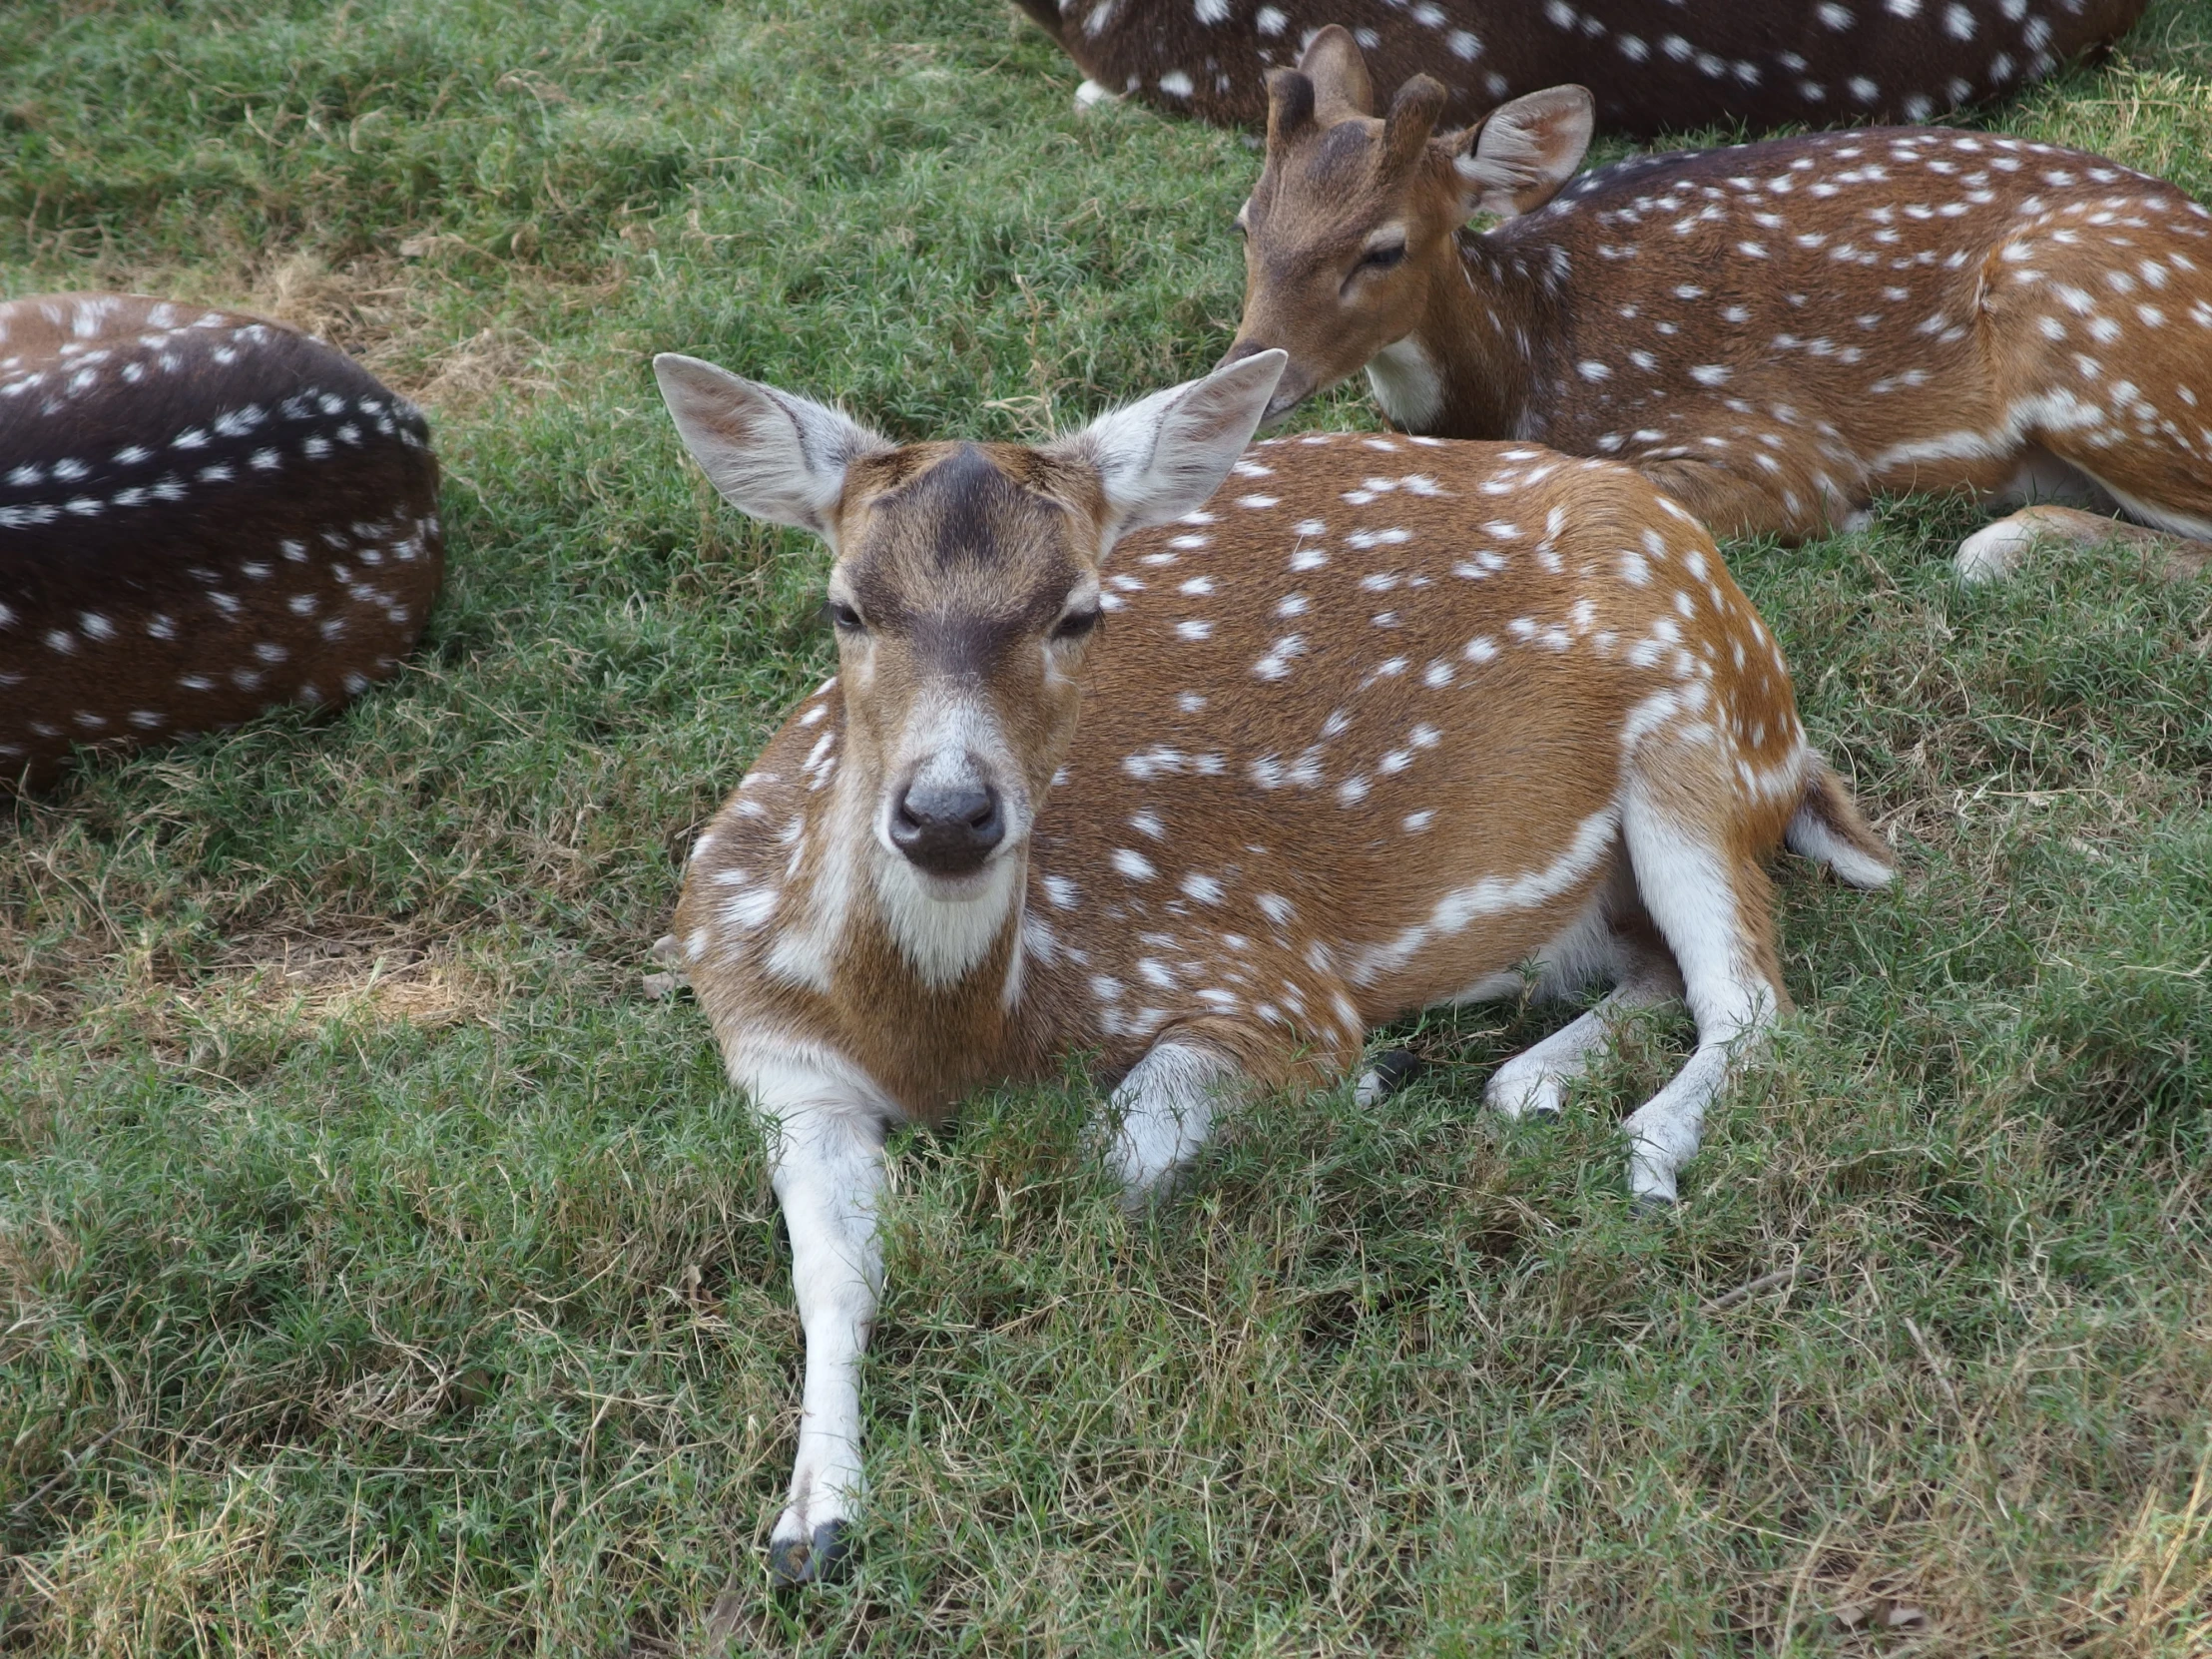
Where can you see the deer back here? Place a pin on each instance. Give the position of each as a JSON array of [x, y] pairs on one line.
[[202, 514], [1654, 65]]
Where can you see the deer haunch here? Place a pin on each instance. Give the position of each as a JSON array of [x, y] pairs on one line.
[[1653, 65], [1772, 332], [203, 514], [1384, 724]]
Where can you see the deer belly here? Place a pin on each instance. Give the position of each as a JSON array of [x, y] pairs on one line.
[[1474, 932]]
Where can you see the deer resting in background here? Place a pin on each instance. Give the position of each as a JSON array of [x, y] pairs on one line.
[[1772, 333], [1212, 792], [1654, 65], [202, 514]]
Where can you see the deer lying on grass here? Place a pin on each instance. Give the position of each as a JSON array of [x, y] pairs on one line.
[[1654, 65], [202, 514], [1211, 792], [1772, 333]]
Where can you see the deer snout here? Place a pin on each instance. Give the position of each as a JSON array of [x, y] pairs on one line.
[[1293, 389], [948, 826]]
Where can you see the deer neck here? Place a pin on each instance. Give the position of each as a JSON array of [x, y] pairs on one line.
[[1466, 368]]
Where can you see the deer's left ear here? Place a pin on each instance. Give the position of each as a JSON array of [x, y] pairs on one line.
[[1164, 456], [1524, 150]]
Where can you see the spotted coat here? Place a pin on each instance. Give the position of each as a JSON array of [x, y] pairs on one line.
[[1772, 333], [1355, 739], [1654, 65], [1196, 761], [203, 514]]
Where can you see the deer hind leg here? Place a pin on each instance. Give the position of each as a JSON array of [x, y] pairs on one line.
[[2084, 476], [1997, 550], [1751, 474], [1613, 940], [2110, 360], [1711, 903]]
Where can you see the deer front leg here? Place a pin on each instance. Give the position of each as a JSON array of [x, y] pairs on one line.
[[828, 1169], [1165, 1110]]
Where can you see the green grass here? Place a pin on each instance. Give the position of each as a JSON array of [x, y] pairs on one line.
[[381, 1271]]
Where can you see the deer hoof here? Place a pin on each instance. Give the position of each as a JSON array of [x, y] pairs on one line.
[[1651, 1206], [814, 1559], [1390, 1072]]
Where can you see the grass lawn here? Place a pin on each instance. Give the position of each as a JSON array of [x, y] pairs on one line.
[[382, 1270]]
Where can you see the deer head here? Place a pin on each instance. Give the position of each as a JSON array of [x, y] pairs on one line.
[[964, 591], [1356, 216]]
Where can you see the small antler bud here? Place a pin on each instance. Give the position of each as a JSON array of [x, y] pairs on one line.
[[1290, 105], [1413, 114]]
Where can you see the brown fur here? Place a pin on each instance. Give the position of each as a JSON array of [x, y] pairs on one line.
[[1655, 65], [1773, 334], [1287, 896], [202, 514]]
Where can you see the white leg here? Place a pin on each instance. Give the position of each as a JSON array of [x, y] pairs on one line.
[[1166, 1111], [1090, 95], [1536, 1079], [1995, 550], [828, 1169], [1689, 889]]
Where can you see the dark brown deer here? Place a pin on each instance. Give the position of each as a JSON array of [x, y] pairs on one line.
[[203, 514], [1211, 792], [1772, 333], [1654, 65]]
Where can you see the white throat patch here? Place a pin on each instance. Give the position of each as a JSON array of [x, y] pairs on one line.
[[1406, 383], [944, 941]]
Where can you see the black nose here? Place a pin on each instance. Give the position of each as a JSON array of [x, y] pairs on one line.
[[947, 829]]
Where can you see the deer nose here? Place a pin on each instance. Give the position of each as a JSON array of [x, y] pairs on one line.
[[1242, 350], [947, 829]]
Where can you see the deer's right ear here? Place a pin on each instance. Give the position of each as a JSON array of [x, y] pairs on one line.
[[1525, 150], [1164, 456], [776, 456]]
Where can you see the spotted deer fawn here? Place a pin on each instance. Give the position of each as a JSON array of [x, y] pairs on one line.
[[1653, 65], [1210, 792], [1772, 332], [202, 514]]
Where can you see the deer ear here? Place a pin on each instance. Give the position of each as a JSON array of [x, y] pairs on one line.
[[1524, 150], [777, 456], [1164, 456], [1332, 63]]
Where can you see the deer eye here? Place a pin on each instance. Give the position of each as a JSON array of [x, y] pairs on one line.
[[1076, 624], [1381, 259], [844, 617]]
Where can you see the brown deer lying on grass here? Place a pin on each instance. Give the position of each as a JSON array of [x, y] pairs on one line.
[[1654, 65], [1772, 332], [203, 514], [1212, 792]]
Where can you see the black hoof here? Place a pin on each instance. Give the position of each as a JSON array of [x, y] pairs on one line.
[[815, 1561], [1650, 1206], [1396, 1067], [1385, 1074]]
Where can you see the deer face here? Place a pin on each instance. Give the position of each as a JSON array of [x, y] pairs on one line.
[[1355, 216], [964, 593], [964, 599]]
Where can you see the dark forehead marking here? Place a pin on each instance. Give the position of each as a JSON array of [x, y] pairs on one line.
[[1341, 156], [965, 511], [967, 552]]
